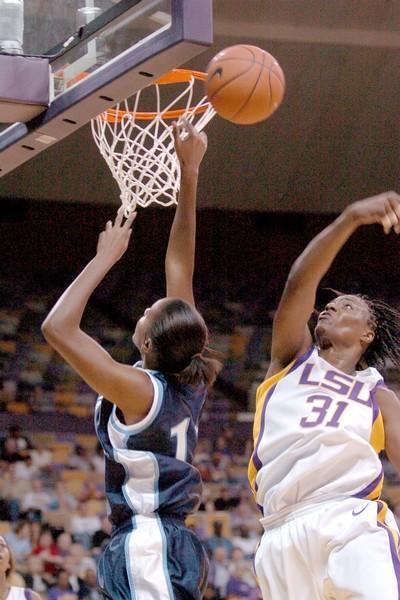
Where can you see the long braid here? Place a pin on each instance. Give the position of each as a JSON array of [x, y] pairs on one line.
[[385, 322]]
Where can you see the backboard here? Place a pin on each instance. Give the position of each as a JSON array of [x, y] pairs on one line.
[[100, 52]]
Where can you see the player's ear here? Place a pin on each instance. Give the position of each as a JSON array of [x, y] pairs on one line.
[[147, 345], [368, 336]]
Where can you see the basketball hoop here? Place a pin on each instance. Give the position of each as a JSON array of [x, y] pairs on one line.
[[139, 146]]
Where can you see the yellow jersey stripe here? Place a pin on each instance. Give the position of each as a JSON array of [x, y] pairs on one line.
[[264, 392]]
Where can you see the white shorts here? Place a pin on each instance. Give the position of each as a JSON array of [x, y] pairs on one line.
[[341, 550]]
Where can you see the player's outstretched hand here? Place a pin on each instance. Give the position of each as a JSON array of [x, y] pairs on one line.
[[383, 209], [114, 240], [190, 144]]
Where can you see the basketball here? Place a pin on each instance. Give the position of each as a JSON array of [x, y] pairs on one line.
[[245, 84]]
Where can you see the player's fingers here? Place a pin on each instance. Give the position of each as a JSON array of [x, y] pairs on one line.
[[204, 137], [393, 196], [120, 216], [387, 223], [190, 127], [392, 216], [108, 225], [394, 203], [129, 219]]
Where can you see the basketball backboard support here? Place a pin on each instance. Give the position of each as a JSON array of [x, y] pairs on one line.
[[124, 47]]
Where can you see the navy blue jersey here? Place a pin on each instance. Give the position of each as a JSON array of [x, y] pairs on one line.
[[148, 464]]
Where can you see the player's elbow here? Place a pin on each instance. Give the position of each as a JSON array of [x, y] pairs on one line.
[[46, 329], [51, 330]]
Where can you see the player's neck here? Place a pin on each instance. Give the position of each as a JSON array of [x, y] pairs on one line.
[[344, 359]]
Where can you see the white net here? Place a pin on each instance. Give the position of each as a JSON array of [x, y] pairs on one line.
[[140, 152]]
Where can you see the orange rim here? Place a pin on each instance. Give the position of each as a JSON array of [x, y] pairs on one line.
[[175, 76]]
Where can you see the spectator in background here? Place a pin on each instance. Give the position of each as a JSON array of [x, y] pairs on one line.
[[242, 539], [238, 584], [206, 504], [23, 443], [41, 456], [37, 498], [218, 466], [245, 513], [80, 459], [217, 540], [88, 590], [219, 574], [101, 536], [25, 469], [19, 543], [83, 525], [211, 593], [97, 461], [81, 560], [36, 528], [49, 553], [35, 577], [62, 499], [62, 589], [221, 446], [203, 450], [64, 544], [9, 451], [91, 491], [225, 500]]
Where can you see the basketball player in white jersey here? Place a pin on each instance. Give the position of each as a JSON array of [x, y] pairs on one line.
[[323, 415], [7, 591]]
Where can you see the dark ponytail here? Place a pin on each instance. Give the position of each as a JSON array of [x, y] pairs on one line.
[[201, 369], [179, 336]]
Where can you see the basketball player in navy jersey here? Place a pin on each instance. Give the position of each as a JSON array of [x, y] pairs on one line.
[[323, 414], [147, 415]]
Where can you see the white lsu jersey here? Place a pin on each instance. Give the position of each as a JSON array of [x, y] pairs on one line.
[[317, 435]]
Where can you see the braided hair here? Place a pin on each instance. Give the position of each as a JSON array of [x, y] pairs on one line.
[[384, 321]]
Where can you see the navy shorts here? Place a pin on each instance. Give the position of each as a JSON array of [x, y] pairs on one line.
[[157, 558]]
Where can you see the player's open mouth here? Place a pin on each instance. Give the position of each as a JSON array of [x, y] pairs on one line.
[[324, 316]]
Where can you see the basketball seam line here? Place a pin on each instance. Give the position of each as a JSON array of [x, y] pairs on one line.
[[270, 68], [271, 95], [252, 91], [227, 83]]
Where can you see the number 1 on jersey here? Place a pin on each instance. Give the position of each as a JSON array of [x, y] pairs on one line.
[[180, 431]]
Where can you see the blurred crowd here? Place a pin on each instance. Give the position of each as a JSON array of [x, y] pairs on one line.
[[53, 514], [52, 501]]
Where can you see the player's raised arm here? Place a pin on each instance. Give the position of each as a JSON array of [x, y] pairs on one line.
[[290, 336], [190, 147], [129, 388]]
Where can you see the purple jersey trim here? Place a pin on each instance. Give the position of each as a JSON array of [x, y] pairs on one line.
[[375, 407], [394, 554], [256, 460], [366, 491]]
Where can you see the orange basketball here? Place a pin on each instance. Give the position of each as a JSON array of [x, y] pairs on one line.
[[245, 84]]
